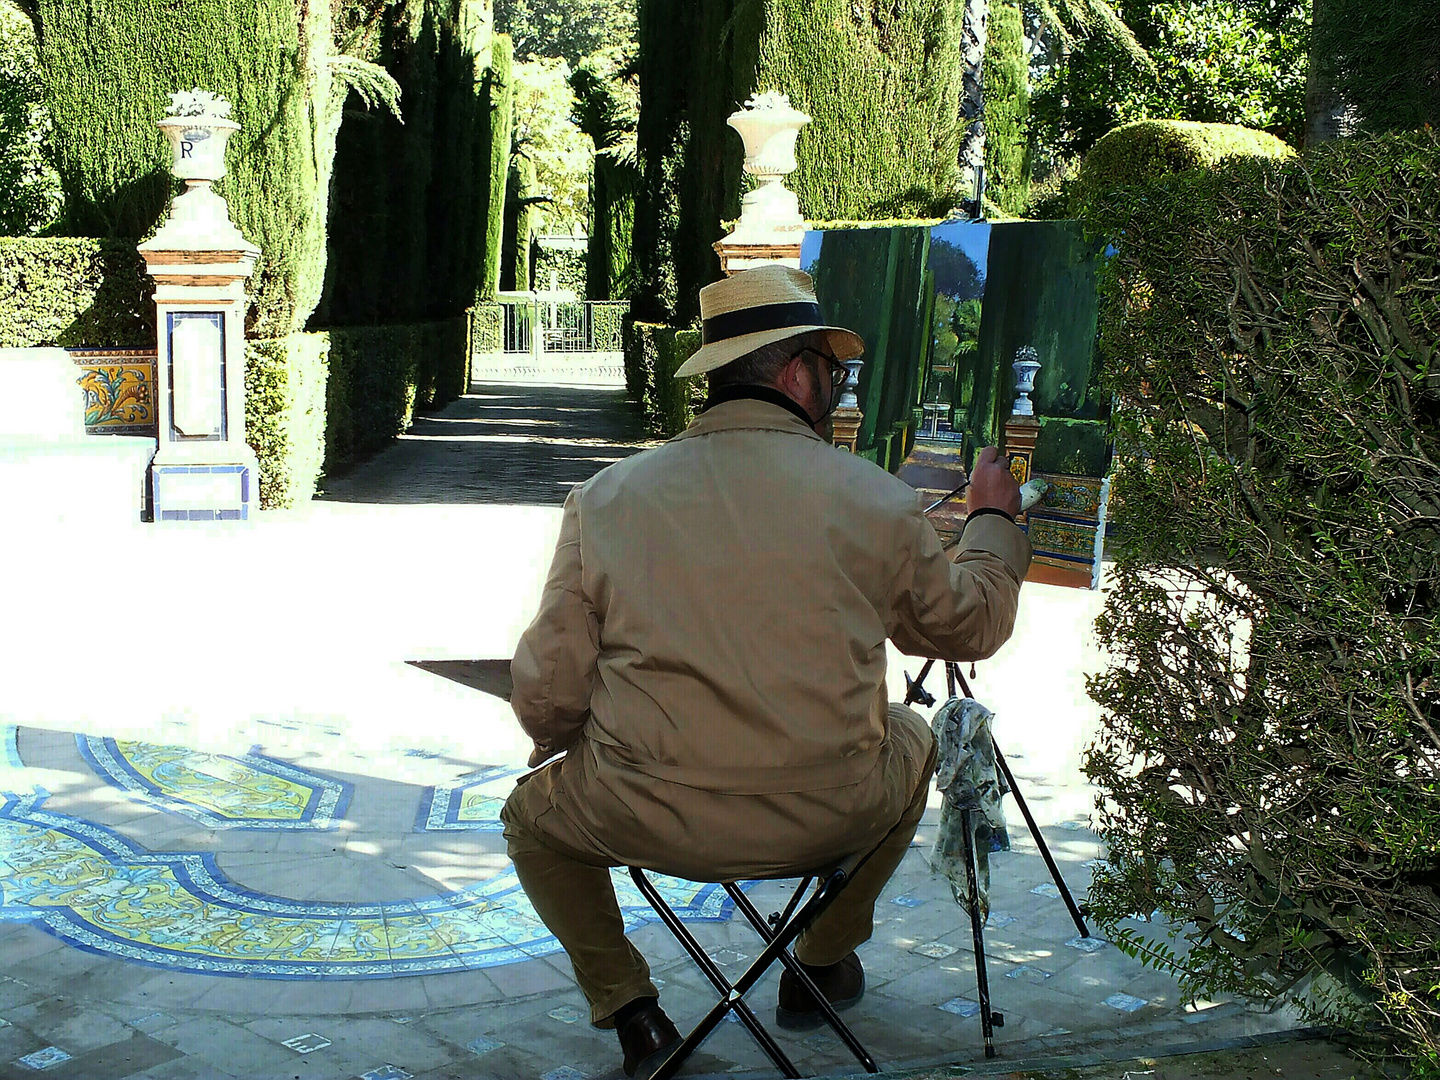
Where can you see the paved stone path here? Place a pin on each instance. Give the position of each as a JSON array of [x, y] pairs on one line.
[[502, 444], [245, 834]]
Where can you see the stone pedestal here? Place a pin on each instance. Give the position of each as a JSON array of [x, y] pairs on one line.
[[204, 470]]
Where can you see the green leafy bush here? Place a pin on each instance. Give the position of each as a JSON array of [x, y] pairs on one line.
[[285, 387], [606, 325], [569, 267], [653, 353], [1269, 754], [73, 292], [29, 188], [1147, 149]]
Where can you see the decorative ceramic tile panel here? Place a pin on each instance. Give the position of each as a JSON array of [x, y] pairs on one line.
[[220, 792], [94, 889], [119, 387], [1069, 540], [1074, 496]]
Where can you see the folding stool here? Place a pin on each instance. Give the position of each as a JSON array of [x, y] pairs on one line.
[[778, 932]]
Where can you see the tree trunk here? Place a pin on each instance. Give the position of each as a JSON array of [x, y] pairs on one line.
[[972, 95], [1327, 115]]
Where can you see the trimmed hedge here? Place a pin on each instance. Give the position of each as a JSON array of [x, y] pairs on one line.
[[1007, 108], [607, 325], [487, 325], [72, 292], [380, 376], [285, 388], [414, 226], [1148, 149], [653, 352]]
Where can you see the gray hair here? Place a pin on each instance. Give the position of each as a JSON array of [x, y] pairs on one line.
[[763, 366]]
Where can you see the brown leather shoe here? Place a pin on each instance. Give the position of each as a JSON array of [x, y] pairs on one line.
[[648, 1039], [843, 984]]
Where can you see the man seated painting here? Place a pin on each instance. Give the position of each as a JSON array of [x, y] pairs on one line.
[[709, 655]]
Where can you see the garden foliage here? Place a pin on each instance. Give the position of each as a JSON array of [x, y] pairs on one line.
[[70, 291], [1007, 109], [29, 188], [881, 84], [1270, 752], [1212, 61], [414, 234], [653, 353], [109, 68], [285, 384], [607, 108], [1384, 58], [1146, 149], [380, 375]]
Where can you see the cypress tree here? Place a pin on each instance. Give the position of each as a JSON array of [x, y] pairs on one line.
[[606, 109], [109, 68], [880, 84], [417, 210], [1007, 109], [500, 93]]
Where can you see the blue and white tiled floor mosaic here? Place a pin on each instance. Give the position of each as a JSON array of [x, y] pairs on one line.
[[213, 870]]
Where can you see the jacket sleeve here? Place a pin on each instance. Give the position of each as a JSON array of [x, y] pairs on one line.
[[965, 609], [554, 667]]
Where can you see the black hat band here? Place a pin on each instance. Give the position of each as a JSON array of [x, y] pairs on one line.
[[755, 320]]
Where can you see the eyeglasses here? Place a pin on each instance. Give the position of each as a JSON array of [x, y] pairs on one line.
[[838, 372]]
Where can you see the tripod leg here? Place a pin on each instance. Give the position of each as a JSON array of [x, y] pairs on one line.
[[982, 978], [1044, 848], [918, 686]]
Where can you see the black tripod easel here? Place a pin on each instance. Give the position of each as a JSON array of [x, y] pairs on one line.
[[989, 1019]]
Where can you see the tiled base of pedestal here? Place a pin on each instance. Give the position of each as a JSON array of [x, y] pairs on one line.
[[201, 492]]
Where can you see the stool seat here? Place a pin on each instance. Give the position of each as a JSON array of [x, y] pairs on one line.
[[778, 931]]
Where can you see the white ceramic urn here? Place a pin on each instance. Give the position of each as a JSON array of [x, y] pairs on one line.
[[770, 214], [1025, 367], [198, 127]]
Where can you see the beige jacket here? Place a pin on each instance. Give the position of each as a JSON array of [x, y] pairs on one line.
[[716, 612]]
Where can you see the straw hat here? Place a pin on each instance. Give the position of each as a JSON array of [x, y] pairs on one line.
[[760, 307]]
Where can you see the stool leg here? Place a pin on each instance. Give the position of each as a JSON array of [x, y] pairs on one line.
[[793, 966], [731, 1000]]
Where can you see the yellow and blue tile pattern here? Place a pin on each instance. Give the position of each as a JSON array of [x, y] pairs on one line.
[[95, 889], [216, 790]]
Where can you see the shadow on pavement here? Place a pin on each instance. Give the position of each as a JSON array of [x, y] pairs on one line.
[[500, 445]]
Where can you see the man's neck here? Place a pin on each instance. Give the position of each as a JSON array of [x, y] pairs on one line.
[[759, 393]]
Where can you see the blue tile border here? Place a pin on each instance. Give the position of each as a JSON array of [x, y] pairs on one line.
[[440, 806]]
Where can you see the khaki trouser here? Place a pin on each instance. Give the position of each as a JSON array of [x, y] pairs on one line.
[[565, 872]]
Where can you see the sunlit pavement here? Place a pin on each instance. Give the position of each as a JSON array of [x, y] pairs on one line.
[[243, 836]]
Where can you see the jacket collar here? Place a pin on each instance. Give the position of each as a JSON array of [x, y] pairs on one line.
[[733, 407]]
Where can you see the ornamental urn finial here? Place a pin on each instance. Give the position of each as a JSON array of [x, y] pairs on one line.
[[1026, 364]]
